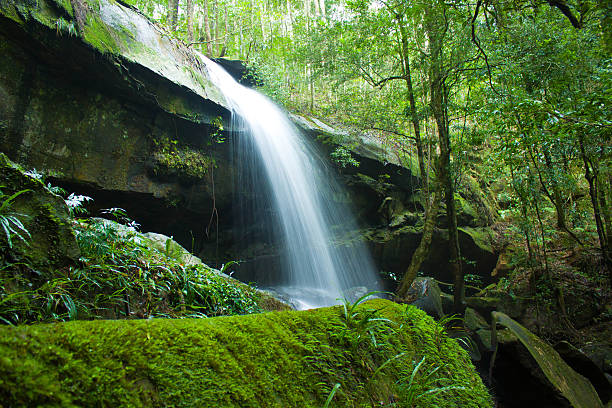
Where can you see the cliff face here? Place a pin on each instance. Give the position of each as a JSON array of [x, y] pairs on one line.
[[113, 107], [109, 105]]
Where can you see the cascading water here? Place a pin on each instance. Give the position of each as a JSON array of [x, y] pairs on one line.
[[319, 266]]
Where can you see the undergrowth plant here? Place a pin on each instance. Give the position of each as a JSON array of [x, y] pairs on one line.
[[381, 350], [10, 220], [120, 276], [420, 380], [361, 322]]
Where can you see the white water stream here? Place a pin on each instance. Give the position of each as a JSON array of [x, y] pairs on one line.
[[319, 267]]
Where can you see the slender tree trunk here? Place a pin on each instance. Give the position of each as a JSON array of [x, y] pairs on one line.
[[226, 33], [524, 212], [413, 110], [173, 6], [189, 18], [262, 12], [420, 254], [591, 176], [289, 20], [322, 9], [439, 107], [216, 25], [209, 49], [307, 7]]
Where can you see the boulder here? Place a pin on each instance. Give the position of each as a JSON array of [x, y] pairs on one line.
[[49, 242], [283, 359], [424, 293], [171, 248], [392, 249], [583, 365], [474, 321], [600, 354], [114, 108], [527, 364]]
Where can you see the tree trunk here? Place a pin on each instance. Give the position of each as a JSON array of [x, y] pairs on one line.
[[215, 30], [173, 6], [591, 176], [189, 18], [209, 50], [413, 111], [439, 107], [322, 8], [420, 254]]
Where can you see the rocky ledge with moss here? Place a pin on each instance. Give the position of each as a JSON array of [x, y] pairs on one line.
[[280, 359]]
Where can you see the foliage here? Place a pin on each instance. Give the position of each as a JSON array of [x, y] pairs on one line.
[[120, 276], [385, 356], [420, 385], [75, 203], [362, 323], [343, 157], [10, 220]]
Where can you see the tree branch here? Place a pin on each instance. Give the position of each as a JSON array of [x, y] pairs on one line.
[[567, 12]]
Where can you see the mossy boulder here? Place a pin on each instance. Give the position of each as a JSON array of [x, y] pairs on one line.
[[281, 359], [51, 243]]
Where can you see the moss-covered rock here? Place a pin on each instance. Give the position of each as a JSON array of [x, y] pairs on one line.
[[124, 36], [283, 359], [51, 242]]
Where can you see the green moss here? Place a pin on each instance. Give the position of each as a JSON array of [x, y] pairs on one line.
[[44, 215], [171, 158], [99, 36], [65, 5], [282, 359], [465, 211], [482, 237]]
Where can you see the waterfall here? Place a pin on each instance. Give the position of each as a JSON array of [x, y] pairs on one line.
[[322, 257]]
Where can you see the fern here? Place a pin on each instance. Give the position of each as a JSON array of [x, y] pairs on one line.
[[10, 220]]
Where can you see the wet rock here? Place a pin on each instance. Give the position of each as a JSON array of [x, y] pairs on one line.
[[424, 293], [484, 341], [530, 373], [171, 248], [482, 304], [118, 111], [392, 249], [583, 365], [474, 321], [600, 354], [239, 71], [352, 294]]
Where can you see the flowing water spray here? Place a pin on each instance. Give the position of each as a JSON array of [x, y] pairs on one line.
[[322, 257]]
